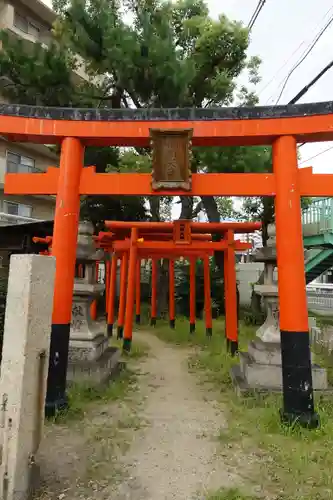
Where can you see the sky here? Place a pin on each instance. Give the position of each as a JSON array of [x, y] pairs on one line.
[[280, 35], [283, 31]]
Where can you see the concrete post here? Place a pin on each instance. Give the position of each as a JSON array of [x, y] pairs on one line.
[[24, 371]]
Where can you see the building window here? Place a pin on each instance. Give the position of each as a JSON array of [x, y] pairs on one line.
[[12, 208], [21, 22], [25, 25], [19, 164]]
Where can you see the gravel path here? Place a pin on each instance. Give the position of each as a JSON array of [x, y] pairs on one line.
[[174, 456], [159, 443]]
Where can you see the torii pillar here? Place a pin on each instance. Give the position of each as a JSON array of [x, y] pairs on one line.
[[64, 242], [294, 327]]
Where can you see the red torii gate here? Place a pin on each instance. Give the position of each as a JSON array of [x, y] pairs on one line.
[[170, 240], [280, 126]]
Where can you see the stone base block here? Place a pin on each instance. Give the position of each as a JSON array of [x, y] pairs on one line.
[[270, 375], [95, 372], [245, 390], [87, 350], [267, 353]]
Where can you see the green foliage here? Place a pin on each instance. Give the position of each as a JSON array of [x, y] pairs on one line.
[[182, 288], [37, 76], [101, 208], [170, 54]]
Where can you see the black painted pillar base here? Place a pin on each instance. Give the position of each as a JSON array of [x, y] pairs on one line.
[[209, 332], [138, 319], [110, 330], [192, 328], [152, 321], [120, 332], [298, 405], [172, 324], [232, 347], [127, 344], [56, 398]]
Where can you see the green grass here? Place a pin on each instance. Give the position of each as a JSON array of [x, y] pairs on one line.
[[138, 350], [82, 396], [288, 462], [230, 494], [322, 319]]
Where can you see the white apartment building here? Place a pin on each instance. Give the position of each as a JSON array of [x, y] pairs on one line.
[[31, 20]]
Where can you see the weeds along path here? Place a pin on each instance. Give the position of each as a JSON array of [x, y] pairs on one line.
[[174, 455]]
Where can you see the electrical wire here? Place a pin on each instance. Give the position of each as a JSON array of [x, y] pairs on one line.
[[280, 69], [287, 61], [308, 51], [255, 14], [315, 156]]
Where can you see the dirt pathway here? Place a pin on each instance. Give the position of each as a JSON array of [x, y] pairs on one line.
[[174, 457], [157, 443]]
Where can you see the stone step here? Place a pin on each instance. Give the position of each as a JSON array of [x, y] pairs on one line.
[[270, 375], [97, 372], [243, 389]]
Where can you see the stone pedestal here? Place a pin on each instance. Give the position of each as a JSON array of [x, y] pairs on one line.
[[260, 368], [90, 360], [24, 369]]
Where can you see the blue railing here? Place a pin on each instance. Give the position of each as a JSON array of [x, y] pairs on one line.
[[319, 214]]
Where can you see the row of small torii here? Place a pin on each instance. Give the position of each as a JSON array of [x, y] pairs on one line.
[[133, 241]]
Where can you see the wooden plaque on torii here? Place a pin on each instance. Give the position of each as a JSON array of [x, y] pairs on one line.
[[171, 159]]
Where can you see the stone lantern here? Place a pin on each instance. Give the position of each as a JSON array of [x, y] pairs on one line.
[[90, 357], [261, 367]]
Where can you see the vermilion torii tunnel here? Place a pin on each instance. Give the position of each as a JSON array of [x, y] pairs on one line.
[[282, 127], [132, 241]]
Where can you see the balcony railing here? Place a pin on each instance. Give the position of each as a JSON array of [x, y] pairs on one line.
[[20, 168], [12, 220]]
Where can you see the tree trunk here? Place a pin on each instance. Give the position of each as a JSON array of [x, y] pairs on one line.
[[162, 268], [267, 217], [163, 289], [187, 207], [213, 215]]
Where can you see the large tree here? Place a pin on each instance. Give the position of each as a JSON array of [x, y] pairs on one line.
[[142, 53], [160, 54]]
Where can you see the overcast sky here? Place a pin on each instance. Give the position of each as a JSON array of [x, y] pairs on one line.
[[282, 32]]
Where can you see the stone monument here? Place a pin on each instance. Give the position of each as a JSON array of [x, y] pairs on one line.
[[261, 367], [24, 369], [90, 358]]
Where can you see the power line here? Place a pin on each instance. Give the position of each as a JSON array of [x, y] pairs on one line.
[[315, 156], [255, 14], [309, 50], [307, 87], [289, 58], [281, 68]]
